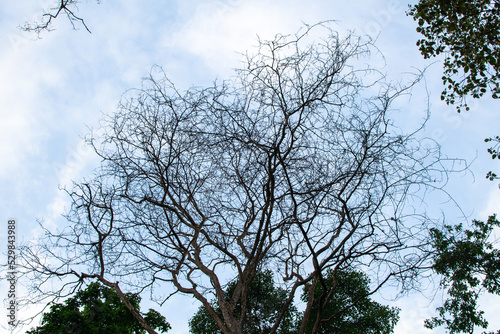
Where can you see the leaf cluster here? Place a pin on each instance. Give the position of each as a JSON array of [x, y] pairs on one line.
[[495, 154], [264, 301], [469, 264], [467, 32], [350, 310], [95, 310]]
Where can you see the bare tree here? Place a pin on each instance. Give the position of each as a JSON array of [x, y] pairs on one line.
[[294, 166], [61, 7]]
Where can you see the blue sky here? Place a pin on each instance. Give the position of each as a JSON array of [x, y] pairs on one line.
[[52, 90]]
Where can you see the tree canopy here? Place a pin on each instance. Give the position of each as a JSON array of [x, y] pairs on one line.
[[350, 309], [469, 264], [264, 303], [467, 32], [296, 165], [97, 310]]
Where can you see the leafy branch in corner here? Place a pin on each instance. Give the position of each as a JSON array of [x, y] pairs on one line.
[[469, 264]]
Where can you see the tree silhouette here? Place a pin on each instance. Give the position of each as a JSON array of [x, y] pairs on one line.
[[295, 166]]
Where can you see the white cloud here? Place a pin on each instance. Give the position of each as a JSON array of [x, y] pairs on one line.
[[19, 132], [217, 30], [493, 202]]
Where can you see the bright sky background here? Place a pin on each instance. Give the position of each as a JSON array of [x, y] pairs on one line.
[[53, 89]]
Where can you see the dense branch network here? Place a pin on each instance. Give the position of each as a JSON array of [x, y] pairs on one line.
[[294, 167]]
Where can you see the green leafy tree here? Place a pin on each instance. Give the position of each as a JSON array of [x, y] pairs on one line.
[[469, 264], [97, 310], [350, 309], [467, 32], [264, 303]]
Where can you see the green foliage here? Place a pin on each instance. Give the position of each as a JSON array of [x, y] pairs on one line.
[[469, 263], [467, 32], [365, 316], [264, 302], [97, 310], [349, 311], [495, 154]]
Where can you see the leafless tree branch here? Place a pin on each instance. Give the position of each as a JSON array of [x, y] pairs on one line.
[[295, 167], [62, 7]]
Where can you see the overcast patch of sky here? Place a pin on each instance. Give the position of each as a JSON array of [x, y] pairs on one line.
[[52, 88]]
